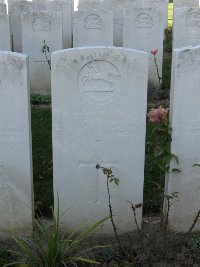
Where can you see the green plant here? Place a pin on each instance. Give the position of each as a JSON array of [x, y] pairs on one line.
[[48, 248], [4, 256], [194, 244], [40, 99], [110, 178], [158, 157]]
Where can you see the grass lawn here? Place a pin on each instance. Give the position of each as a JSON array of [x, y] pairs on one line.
[[42, 145]]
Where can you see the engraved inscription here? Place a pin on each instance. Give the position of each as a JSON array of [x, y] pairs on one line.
[[41, 24], [93, 22], [193, 19], [99, 80], [143, 20], [9, 130]]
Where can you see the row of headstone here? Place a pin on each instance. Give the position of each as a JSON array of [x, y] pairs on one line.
[[100, 119], [89, 119], [117, 6], [32, 29], [17, 8]]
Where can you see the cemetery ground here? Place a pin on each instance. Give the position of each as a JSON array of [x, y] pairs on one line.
[[153, 245]]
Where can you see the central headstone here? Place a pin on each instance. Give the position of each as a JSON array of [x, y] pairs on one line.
[[93, 28], [16, 185], [99, 117]]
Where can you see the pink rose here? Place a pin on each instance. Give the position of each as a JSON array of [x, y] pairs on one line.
[[154, 51], [158, 115]]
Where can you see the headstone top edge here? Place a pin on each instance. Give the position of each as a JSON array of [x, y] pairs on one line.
[[94, 48]]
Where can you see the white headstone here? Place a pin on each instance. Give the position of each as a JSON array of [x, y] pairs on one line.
[[3, 9], [39, 29], [5, 43], [16, 186], [66, 8], [185, 3], [186, 27], [93, 28], [15, 10], [156, 4], [99, 111], [144, 30], [185, 122]]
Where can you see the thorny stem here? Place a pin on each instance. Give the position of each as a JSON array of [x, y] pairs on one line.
[[111, 216], [47, 59], [157, 70], [135, 216], [194, 222]]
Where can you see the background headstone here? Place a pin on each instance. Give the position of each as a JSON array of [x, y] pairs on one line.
[[5, 43], [144, 30], [3, 9], [16, 186], [185, 3], [185, 122], [186, 27], [15, 10], [93, 28], [156, 4], [99, 98], [39, 29], [66, 8]]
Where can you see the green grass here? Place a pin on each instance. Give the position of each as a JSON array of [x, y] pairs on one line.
[[42, 159]]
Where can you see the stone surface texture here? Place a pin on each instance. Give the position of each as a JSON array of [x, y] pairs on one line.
[[5, 42]]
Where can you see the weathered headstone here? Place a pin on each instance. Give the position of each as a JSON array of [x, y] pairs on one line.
[[185, 3], [99, 108], [3, 9], [16, 188], [185, 124], [144, 30], [41, 29], [66, 8], [93, 28], [156, 4], [15, 10], [5, 43], [186, 27]]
